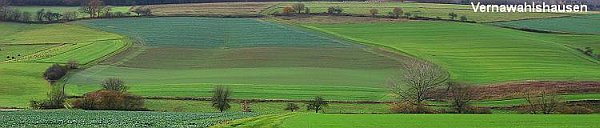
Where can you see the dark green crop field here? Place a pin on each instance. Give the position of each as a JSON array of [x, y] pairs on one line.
[[187, 56], [79, 118], [197, 32]]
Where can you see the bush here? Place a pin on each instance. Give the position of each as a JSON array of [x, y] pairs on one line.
[[114, 84], [72, 64], [54, 73], [292, 107], [335, 10], [109, 100], [410, 108], [55, 101], [576, 109], [288, 10]]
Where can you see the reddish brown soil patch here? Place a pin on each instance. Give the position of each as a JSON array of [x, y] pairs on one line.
[[518, 90]]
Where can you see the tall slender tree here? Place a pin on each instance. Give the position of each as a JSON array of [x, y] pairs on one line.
[[220, 99]]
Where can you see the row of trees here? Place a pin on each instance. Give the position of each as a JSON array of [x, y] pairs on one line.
[[93, 8], [222, 96]]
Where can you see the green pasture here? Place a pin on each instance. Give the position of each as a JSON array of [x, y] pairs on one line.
[[88, 53], [303, 120], [586, 24], [430, 10], [22, 82], [39, 46], [52, 34], [260, 107], [195, 58], [80, 118], [270, 83], [480, 54]]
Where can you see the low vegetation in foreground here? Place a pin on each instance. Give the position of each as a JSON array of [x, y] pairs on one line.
[[80, 118]]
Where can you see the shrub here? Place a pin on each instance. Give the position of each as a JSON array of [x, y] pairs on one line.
[[109, 100], [298, 7], [55, 100], [374, 12], [72, 64], [335, 10], [54, 73], [463, 18], [114, 84], [291, 107], [576, 109], [397, 12], [410, 108], [452, 15], [288, 10]]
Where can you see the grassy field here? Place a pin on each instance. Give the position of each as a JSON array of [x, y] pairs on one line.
[[479, 54], [587, 24], [419, 9], [78, 118], [303, 120], [291, 63], [35, 47], [272, 83], [22, 82], [261, 107]]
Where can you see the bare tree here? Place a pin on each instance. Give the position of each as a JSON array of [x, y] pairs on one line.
[[114, 84], [397, 12], [417, 81], [92, 7], [298, 7], [292, 107], [543, 101], [460, 96], [317, 104], [374, 12]]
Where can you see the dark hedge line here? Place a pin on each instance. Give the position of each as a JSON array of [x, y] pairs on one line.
[[135, 2]]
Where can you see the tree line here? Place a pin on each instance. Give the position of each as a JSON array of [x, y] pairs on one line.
[[132, 2], [92, 8]]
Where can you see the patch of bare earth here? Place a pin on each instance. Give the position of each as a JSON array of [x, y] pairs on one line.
[[520, 89], [337, 19]]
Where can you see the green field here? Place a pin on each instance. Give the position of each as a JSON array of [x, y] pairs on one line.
[[79, 118], [480, 54], [586, 24], [290, 64], [303, 120], [420, 9], [38, 47]]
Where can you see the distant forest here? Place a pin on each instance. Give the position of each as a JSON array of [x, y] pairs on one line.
[[593, 4]]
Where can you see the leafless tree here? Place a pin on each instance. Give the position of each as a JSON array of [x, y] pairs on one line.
[[543, 101], [417, 81], [92, 7], [460, 96]]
